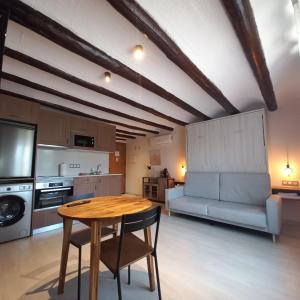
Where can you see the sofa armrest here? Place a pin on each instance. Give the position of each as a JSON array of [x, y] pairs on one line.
[[274, 213], [173, 193]]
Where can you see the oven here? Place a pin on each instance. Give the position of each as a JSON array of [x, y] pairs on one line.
[[52, 193]]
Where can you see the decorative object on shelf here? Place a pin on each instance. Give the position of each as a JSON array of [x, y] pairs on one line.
[[107, 76], [154, 187], [164, 173], [138, 52]]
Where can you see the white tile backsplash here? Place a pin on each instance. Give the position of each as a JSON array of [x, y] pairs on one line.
[[49, 159]]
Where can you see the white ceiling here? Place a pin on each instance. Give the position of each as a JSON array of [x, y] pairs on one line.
[[199, 27]]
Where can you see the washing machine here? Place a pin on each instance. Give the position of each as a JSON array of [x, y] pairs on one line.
[[15, 211]]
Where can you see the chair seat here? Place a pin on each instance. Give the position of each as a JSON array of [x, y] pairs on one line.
[[82, 237], [133, 249]]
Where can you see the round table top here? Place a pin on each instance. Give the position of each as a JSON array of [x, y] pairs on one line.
[[103, 208]]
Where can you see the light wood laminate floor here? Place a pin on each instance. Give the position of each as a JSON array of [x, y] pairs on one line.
[[197, 261]]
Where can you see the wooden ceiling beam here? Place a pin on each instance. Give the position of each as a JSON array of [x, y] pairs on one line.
[[242, 19], [98, 89], [48, 90], [130, 132], [73, 111], [4, 16], [45, 26], [125, 136], [135, 14], [120, 139]]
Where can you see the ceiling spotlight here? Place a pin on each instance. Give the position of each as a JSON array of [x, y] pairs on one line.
[[107, 76], [138, 52]]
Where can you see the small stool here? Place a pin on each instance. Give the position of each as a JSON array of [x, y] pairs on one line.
[[82, 237]]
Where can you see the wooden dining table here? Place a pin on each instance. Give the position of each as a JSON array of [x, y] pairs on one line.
[[100, 211]]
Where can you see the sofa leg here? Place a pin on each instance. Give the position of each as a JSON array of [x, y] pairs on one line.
[[169, 213], [274, 238]]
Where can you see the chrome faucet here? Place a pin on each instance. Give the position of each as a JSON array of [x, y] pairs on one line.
[[99, 169]]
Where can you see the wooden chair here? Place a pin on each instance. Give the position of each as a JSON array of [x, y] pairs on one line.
[[82, 237], [119, 252]]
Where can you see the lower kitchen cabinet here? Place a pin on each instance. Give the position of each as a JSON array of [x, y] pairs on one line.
[[45, 217], [98, 185]]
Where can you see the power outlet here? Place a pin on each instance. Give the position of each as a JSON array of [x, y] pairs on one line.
[[290, 183]]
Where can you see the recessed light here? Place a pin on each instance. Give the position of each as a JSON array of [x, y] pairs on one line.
[[107, 76], [138, 52]]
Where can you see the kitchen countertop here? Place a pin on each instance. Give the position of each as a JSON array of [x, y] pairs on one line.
[[108, 174]]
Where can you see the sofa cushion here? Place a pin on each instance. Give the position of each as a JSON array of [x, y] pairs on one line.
[[202, 184], [249, 188], [251, 215], [192, 205]]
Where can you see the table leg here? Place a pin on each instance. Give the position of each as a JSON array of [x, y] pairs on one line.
[[64, 254], [94, 259], [148, 239]]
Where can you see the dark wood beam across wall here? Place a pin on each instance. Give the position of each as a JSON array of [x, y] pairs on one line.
[[73, 111], [120, 139], [125, 136], [4, 16], [48, 90], [242, 19], [52, 70], [43, 25], [130, 132], [135, 14]]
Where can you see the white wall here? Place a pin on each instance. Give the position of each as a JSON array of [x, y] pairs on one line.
[[49, 159], [284, 128], [137, 156]]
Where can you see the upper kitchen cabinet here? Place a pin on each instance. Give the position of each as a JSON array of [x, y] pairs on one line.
[[18, 110], [53, 128], [106, 137], [83, 126]]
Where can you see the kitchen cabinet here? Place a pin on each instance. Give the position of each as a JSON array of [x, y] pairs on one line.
[[45, 217], [83, 126], [56, 127], [106, 137], [115, 184], [98, 185], [18, 110], [53, 128], [102, 186]]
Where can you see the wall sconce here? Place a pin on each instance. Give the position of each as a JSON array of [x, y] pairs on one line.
[[107, 76], [138, 52], [183, 169], [288, 170]]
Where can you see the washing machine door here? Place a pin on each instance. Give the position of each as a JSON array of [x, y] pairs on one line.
[[11, 210]]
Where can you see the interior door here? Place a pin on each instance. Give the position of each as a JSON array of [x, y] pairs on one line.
[[117, 163]]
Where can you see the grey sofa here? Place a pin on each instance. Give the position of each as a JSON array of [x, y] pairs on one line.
[[242, 199]]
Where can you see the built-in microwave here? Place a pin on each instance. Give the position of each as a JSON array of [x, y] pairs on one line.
[[83, 141]]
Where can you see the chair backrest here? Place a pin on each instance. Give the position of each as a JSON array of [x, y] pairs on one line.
[[139, 221]]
